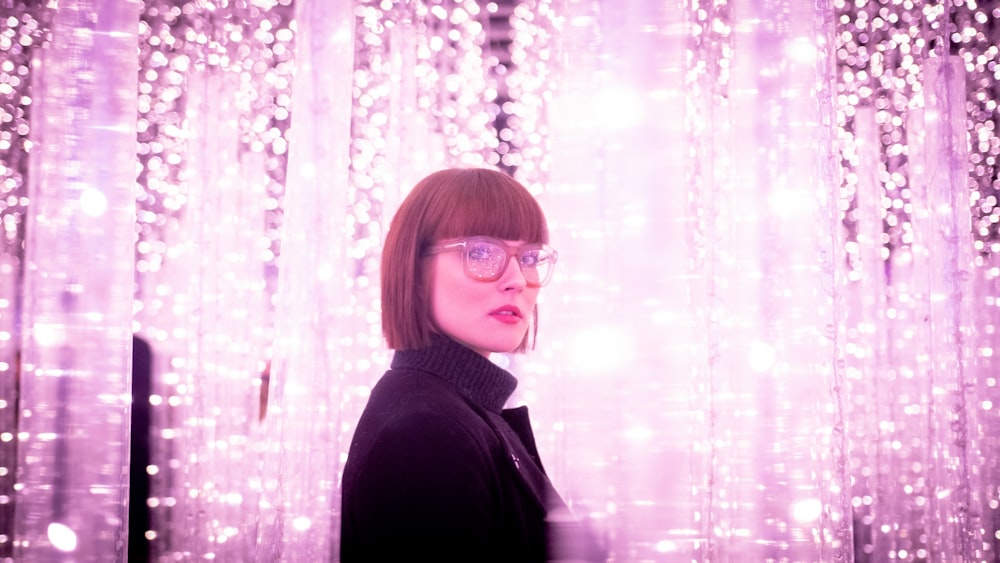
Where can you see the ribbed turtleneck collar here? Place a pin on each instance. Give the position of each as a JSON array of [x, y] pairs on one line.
[[472, 375]]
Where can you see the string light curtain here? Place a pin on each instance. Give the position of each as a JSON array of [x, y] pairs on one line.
[[23, 34], [793, 323], [771, 334], [704, 145], [259, 294], [72, 375], [312, 348], [919, 219], [214, 84]]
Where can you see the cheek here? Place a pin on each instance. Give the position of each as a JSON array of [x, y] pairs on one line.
[[450, 287], [446, 291]]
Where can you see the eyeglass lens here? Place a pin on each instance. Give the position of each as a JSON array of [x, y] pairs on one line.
[[486, 260]]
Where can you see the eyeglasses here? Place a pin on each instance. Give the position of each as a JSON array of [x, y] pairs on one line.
[[486, 259]]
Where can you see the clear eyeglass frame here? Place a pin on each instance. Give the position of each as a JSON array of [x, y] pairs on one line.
[[487, 258]]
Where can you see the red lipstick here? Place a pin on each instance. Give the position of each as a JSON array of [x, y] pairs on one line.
[[507, 314]]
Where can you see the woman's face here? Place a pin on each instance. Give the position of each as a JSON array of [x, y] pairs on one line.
[[486, 316]]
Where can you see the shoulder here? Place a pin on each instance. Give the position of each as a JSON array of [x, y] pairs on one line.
[[415, 414], [419, 444]]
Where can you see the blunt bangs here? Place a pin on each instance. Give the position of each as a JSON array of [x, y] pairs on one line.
[[471, 202]]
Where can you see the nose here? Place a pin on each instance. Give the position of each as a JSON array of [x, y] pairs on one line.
[[513, 278]]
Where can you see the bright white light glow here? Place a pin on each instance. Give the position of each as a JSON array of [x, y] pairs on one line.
[[807, 510], [619, 108], [62, 537], [47, 334], [761, 356], [601, 349], [639, 433], [666, 546], [324, 272], [789, 203], [93, 202], [801, 49], [302, 523]]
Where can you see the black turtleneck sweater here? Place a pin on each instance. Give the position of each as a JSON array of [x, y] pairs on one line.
[[438, 471]]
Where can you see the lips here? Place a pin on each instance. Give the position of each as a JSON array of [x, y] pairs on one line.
[[506, 314]]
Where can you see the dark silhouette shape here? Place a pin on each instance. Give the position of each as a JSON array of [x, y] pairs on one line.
[[138, 509]]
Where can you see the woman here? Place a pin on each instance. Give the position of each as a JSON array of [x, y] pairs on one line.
[[438, 470]]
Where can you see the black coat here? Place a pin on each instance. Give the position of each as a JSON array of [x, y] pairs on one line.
[[438, 472]]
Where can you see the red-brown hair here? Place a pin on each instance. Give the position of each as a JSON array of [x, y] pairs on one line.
[[447, 204]]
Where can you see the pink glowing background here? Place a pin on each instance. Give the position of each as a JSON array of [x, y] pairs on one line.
[[771, 332]]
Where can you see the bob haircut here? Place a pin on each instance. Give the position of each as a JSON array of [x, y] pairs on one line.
[[451, 203]]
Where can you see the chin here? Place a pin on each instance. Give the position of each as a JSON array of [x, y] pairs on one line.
[[501, 349], [512, 349], [505, 344]]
